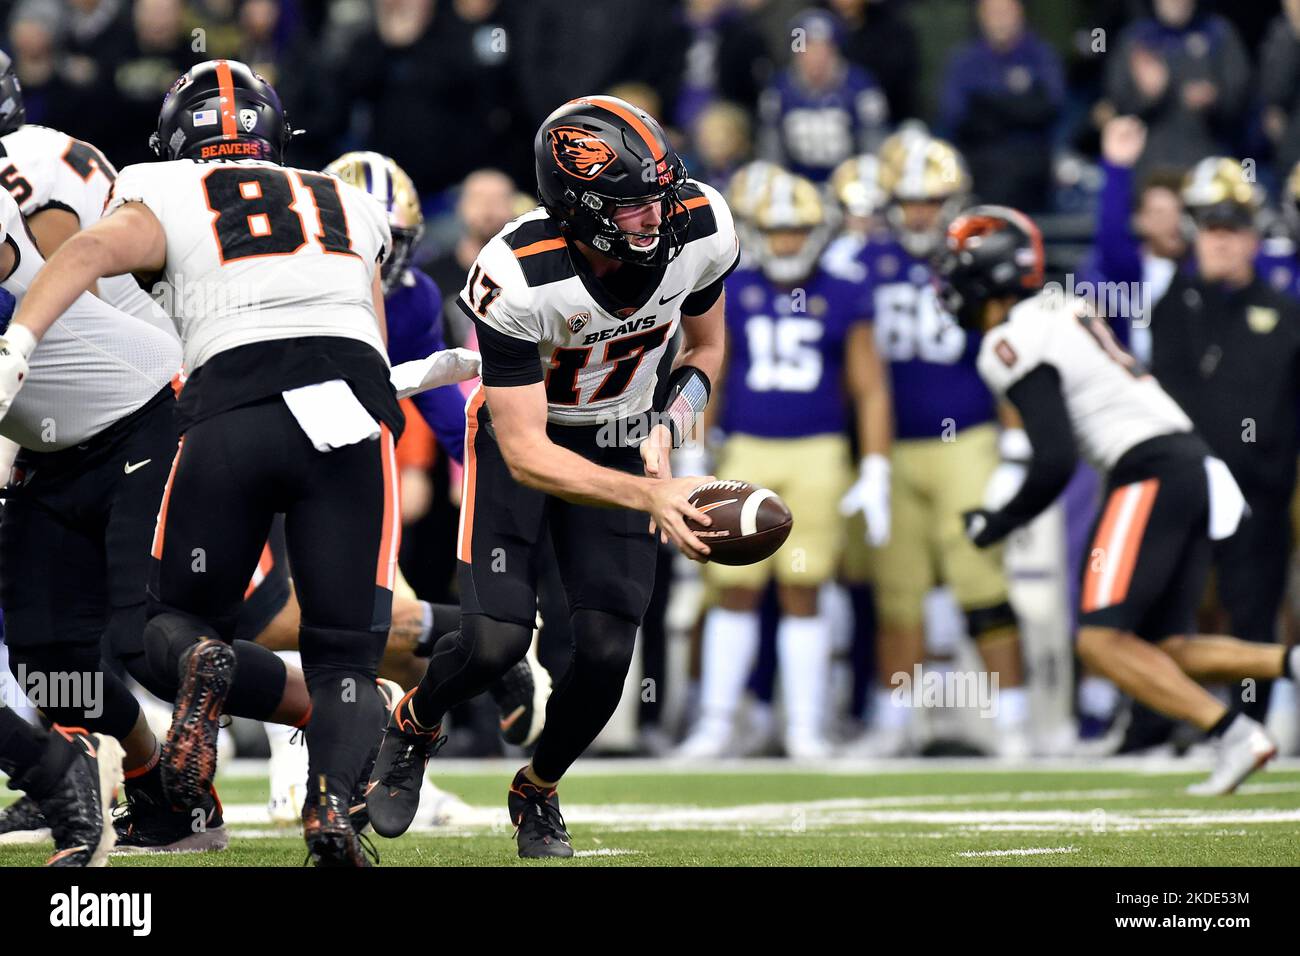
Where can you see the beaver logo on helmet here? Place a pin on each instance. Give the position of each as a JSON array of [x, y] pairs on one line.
[[579, 152]]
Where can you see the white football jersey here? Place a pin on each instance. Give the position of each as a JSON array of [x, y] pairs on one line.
[[258, 252], [94, 366], [600, 359], [45, 169], [1114, 404]]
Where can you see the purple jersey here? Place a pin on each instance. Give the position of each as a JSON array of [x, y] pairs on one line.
[[936, 388], [811, 132], [785, 354], [414, 313]]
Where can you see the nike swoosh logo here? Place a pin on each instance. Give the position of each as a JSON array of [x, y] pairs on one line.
[[717, 504], [128, 467], [671, 297], [508, 722]]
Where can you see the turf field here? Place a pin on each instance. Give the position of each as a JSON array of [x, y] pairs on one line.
[[937, 813]]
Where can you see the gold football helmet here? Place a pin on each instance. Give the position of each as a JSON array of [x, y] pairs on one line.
[[793, 225], [919, 170], [1223, 190], [387, 182], [856, 184]]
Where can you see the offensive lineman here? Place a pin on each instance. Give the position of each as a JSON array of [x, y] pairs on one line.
[[288, 409], [574, 305], [1078, 391]]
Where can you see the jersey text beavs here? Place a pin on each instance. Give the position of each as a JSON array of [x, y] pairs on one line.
[[1114, 404], [258, 252], [44, 169], [598, 357]]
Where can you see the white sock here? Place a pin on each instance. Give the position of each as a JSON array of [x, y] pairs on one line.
[[730, 647], [803, 649], [1013, 707], [887, 715], [1098, 697]]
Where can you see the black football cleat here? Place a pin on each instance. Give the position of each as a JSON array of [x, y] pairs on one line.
[[147, 823], [539, 825], [331, 839], [390, 692], [393, 792], [23, 822], [78, 805], [189, 753], [520, 695]]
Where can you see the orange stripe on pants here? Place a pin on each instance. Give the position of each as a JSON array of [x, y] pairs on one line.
[[465, 536], [391, 536], [160, 526], [1114, 551]]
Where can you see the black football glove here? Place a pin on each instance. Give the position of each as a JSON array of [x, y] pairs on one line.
[[985, 528]]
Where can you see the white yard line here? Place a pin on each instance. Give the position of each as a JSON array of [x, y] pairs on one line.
[[1023, 851]]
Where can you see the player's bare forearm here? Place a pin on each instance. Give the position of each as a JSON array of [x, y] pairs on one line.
[[540, 463], [129, 240], [519, 416], [704, 340], [868, 383]]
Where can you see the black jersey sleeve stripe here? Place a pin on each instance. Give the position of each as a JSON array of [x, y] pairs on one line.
[[507, 361]]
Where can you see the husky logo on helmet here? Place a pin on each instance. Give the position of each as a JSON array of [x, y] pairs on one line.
[[579, 152]]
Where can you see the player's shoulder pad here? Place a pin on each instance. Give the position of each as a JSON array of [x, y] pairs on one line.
[[504, 286], [710, 214], [533, 247], [1012, 349]]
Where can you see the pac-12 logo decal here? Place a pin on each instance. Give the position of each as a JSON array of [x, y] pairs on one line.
[[580, 153], [248, 119], [578, 321]]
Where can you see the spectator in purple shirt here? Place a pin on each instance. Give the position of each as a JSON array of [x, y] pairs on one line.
[[1001, 97]]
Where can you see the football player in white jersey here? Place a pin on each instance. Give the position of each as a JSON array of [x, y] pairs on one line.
[[288, 408], [575, 305], [61, 184], [1079, 392]]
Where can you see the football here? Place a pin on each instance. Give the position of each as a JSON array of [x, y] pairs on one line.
[[749, 522]]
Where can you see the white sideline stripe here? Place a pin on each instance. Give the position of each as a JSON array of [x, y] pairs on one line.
[[1022, 851], [606, 851], [955, 766]]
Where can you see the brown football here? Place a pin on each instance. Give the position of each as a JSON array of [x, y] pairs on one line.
[[749, 522]]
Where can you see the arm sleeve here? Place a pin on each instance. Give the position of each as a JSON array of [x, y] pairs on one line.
[[507, 360], [1037, 397], [1118, 256]]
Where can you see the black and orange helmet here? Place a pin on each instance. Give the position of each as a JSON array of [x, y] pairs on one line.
[[988, 252], [597, 153], [221, 109], [13, 112]]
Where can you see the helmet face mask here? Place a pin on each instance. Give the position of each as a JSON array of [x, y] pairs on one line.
[[598, 155]]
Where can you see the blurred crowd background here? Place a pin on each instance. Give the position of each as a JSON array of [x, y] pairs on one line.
[[454, 89]]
